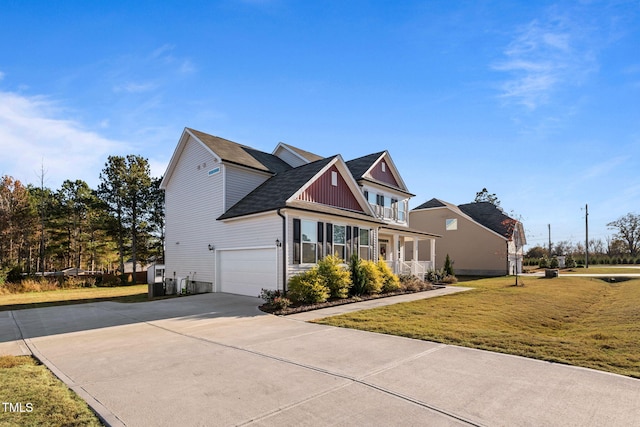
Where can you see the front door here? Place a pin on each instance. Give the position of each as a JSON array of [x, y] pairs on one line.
[[384, 249]]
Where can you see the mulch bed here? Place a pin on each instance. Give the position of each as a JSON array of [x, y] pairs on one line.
[[300, 308]]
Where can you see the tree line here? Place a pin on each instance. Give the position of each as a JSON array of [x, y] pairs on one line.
[[623, 247], [43, 229]]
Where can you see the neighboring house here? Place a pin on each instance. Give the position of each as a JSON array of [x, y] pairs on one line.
[[479, 238], [239, 220]]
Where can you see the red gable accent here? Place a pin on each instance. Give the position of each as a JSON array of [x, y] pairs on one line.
[[386, 176], [322, 191]]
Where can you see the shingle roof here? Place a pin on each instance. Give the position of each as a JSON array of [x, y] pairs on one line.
[[362, 164], [306, 154], [274, 192], [433, 203], [239, 154], [490, 216]]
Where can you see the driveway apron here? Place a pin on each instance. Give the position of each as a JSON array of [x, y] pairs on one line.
[[215, 359]]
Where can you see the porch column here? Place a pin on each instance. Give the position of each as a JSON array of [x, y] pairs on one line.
[[416, 242], [433, 253]]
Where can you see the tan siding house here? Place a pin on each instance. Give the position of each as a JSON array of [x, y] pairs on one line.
[[479, 238]]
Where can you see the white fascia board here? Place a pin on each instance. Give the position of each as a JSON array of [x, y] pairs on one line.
[[394, 170], [182, 142], [286, 147]]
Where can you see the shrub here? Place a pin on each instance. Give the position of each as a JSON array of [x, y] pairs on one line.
[[553, 263], [335, 276], [544, 262], [280, 303], [409, 283], [448, 267], [308, 287], [435, 275], [373, 279], [358, 279], [569, 262], [269, 295], [390, 282]]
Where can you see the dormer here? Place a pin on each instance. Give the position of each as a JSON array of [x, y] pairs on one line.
[[294, 156]]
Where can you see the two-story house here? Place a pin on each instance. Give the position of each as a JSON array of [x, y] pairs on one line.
[[478, 237], [239, 219]]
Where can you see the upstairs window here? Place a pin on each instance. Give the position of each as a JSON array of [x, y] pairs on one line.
[[451, 224]]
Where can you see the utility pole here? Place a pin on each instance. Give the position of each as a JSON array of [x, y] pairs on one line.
[[586, 243], [549, 225]]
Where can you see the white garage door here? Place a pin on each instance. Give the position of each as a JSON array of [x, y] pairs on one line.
[[247, 271]]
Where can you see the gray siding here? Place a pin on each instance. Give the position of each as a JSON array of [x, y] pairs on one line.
[[240, 182], [290, 158]]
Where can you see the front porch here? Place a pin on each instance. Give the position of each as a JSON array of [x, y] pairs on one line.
[[407, 251]]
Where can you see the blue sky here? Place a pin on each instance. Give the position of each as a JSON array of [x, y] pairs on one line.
[[539, 102]]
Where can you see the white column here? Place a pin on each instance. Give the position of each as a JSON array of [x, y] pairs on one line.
[[433, 253]]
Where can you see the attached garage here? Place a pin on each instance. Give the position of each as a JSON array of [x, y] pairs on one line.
[[246, 271]]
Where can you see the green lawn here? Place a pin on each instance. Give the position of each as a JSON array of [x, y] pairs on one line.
[[574, 320], [134, 293], [43, 399]]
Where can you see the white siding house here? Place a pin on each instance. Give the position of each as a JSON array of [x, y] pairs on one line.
[[239, 220]]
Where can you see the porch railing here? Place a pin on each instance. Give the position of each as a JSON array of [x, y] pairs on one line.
[[413, 268]]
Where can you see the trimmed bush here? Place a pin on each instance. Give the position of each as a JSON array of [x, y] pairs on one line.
[[554, 263], [335, 276], [409, 283], [544, 262], [373, 278], [308, 287], [390, 282], [569, 262]]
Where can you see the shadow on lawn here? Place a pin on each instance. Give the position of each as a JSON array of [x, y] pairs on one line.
[[141, 297]]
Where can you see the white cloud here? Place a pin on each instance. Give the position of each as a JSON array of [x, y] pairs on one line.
[[544, 56], [32, 134], [131, 87]]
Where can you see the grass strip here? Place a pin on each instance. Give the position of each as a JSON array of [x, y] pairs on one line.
[[31, 395]]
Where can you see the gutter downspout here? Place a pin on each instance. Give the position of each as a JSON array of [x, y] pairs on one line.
[[284, 252]]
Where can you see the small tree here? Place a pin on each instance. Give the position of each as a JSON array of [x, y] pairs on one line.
[[485, 196], [448, 267]]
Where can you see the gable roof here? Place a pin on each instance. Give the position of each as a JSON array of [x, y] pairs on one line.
[[308, 156], [361, 165], [274, 192], [429, 204], [232, 152], [491, 216], [363, 168]]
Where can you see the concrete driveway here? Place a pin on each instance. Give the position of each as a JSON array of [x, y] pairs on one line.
[[214, 359]]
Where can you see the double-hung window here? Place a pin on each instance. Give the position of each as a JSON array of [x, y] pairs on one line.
[[309, 242], [339, 240], [364, 244]]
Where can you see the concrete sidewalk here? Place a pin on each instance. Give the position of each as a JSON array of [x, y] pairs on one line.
[[214, 359]]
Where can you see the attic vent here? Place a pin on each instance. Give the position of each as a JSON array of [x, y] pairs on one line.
[[384, 167], [334, 178]]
